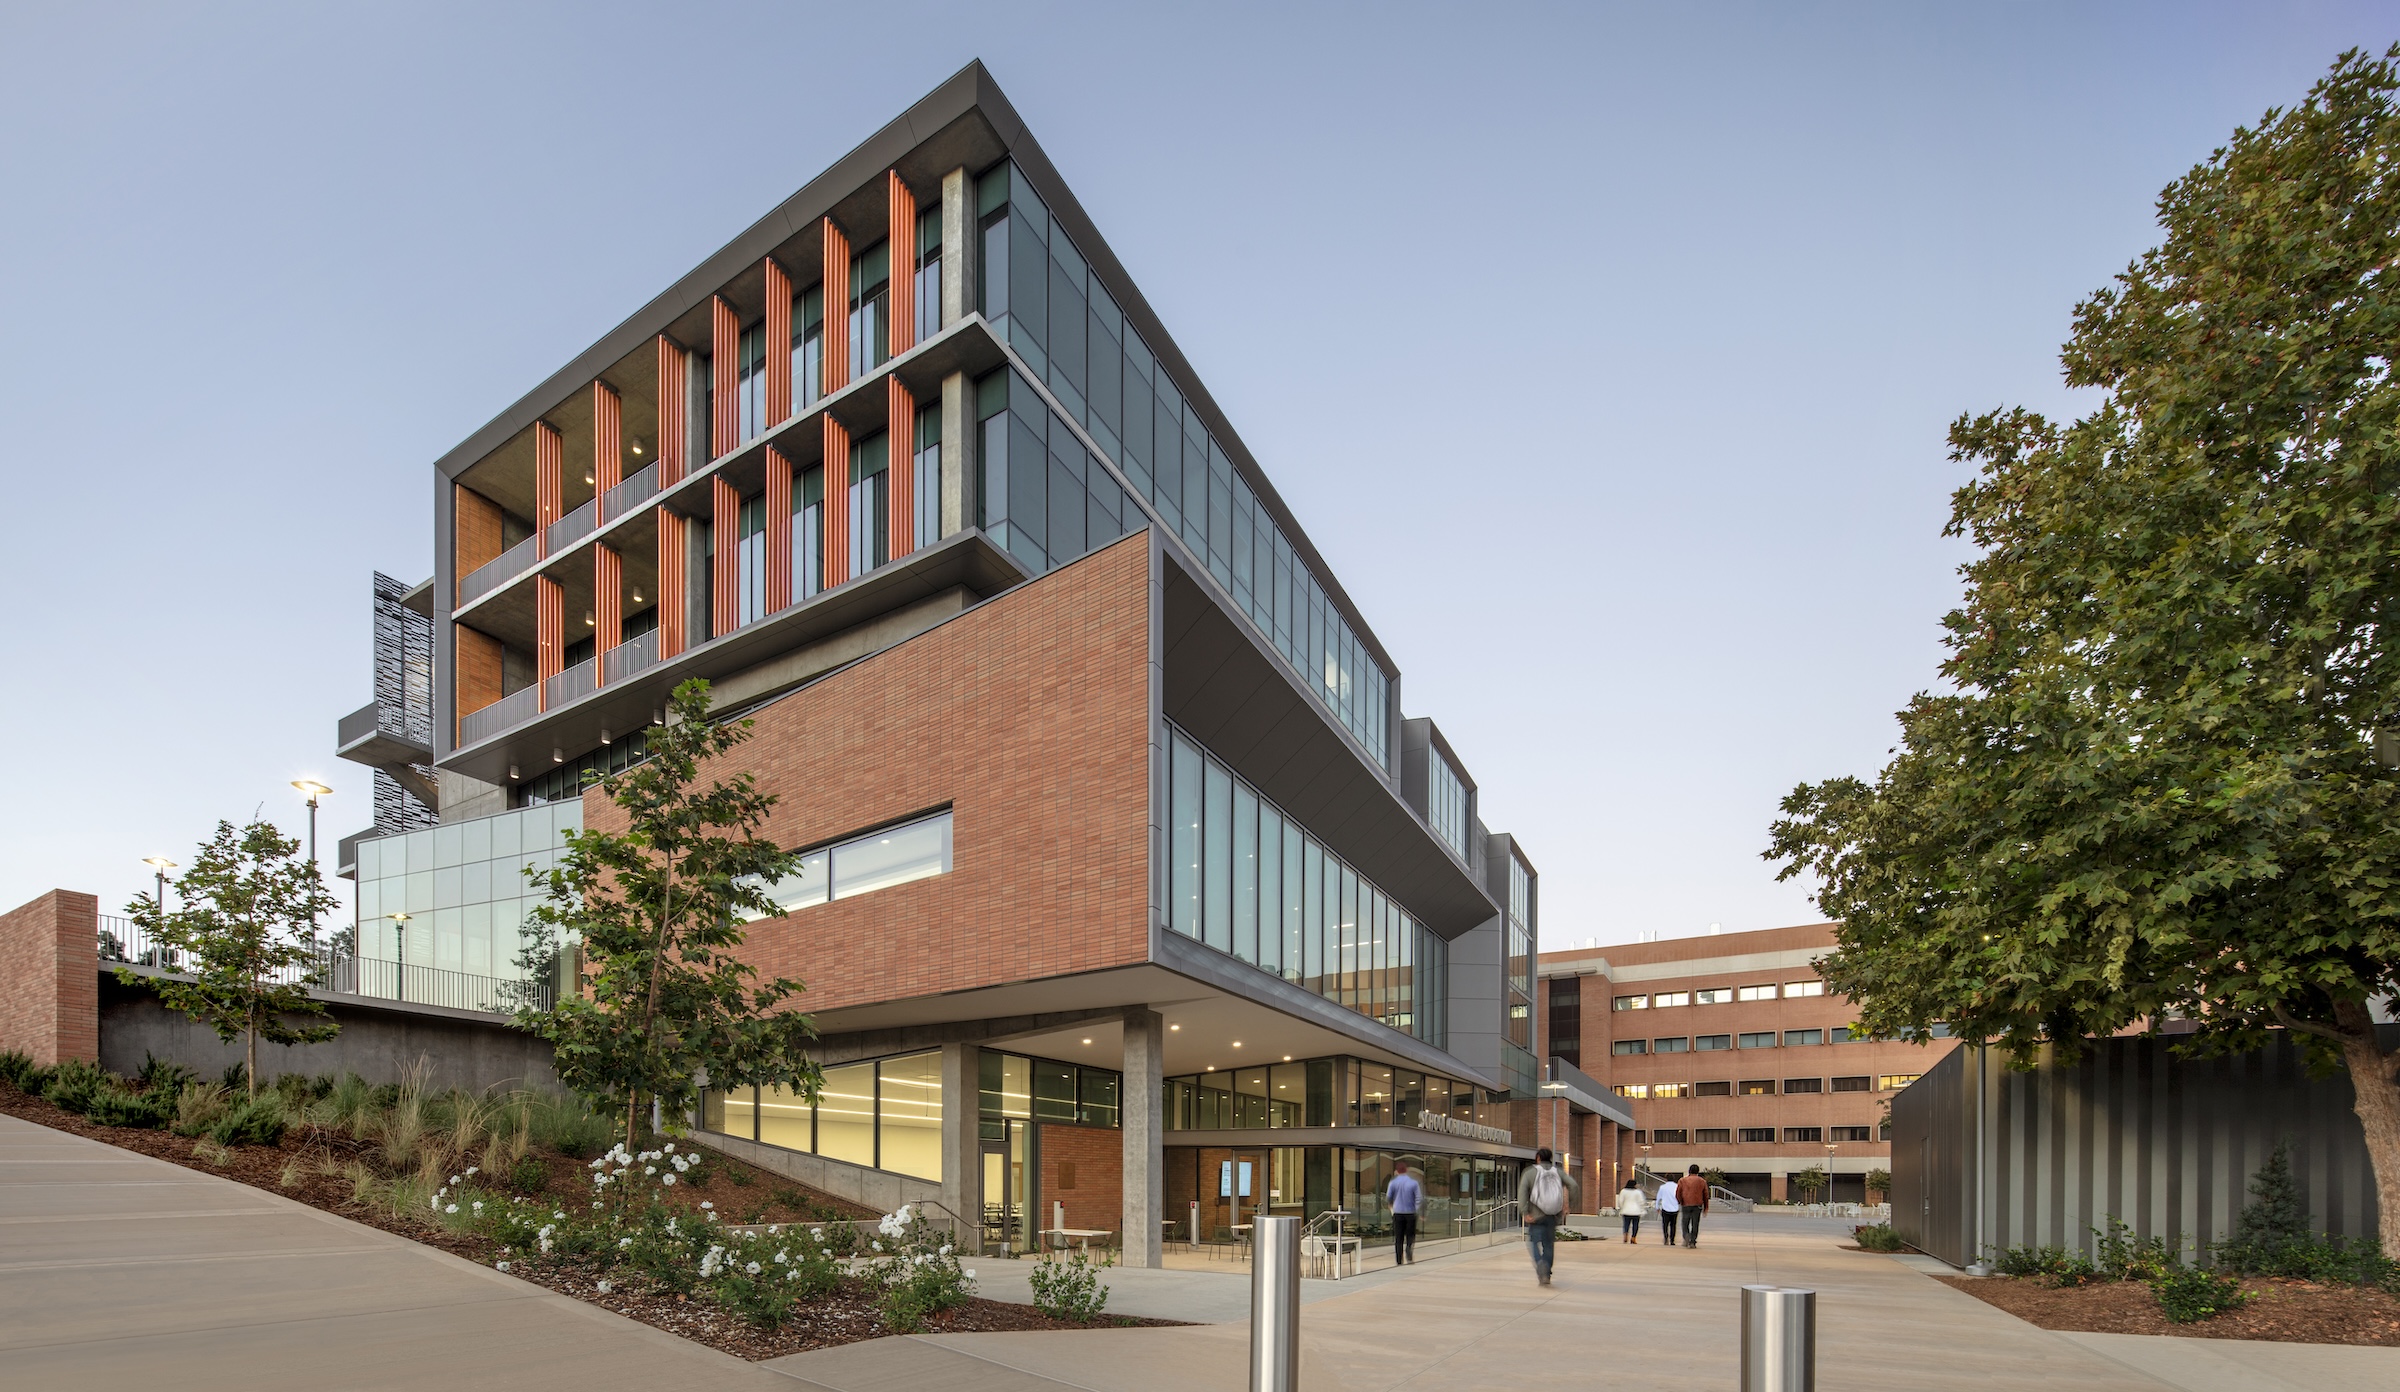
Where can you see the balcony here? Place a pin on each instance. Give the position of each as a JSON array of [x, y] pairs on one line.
[[574, 527], [629, 657], [630, 494], [369, 736], [582, 679], [511, 710], [494, 573]]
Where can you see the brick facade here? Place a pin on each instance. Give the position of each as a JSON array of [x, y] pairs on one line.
[[1083, 1168], [1029, 717], [50, 978]]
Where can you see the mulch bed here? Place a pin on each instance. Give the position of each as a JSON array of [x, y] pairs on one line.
[[2285, 1312], [741, 1193]]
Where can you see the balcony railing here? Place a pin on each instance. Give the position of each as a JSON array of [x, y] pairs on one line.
[[630, 494], [358, 724], [511, 710], [492, 574], [124, 943], [575, 526], [582, 679], [629, 657]]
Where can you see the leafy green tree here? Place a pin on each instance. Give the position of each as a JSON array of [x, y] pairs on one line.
[[2275, 1221], [2160, 783], [658, 912], [247, 934], [1879, 1183], [1810, 1183]]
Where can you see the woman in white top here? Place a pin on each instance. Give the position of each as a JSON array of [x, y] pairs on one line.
[[1630, 1206]]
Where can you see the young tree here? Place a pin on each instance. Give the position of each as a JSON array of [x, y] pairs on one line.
[[247, 934], [658, 911], [2162, 783], [1809, 1183]]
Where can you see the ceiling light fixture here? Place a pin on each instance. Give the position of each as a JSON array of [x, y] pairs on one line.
[[512, 773], [1287, 1058], [604, 734], [1174, 1027], [1087, 1041], [1237, 1043], [557, 755]]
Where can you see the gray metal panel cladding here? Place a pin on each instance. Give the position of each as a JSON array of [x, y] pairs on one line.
[[2131, 1131]]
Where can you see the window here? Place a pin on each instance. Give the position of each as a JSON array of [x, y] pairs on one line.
[[808, 347], [1853, 1133], [1794, 1086], [1798, 1039], [1636, 1090], [1717, 995], [808, 533], [870, 309], [1629, 1046], [1446, 802], [870, 504], [1677, 1045], [1673, 1136], [751, 528], [912, 851], [1708, 1043], [1764, 1039], [1670, 1089], [927, 480], [750, 365], [1630, 1003], [1752, 1135], [1852, 1034], [1566, 1015], [1713, 1135], [1795, 1135], [1667, 998], [1716, 1089], [929, 272], [1792, 990], [1890, 1081], [1854, 1085], [1755, 993], [1758, 1087]]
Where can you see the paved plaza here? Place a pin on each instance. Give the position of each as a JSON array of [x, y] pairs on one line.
[[122, 1272]]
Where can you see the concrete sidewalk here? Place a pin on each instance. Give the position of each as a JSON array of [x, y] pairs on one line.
[[118, 1271]]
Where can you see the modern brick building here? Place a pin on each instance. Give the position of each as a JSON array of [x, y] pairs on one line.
[[1731, 1057], [1134, 901]]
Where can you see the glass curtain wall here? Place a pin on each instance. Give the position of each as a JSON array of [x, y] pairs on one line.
[[461, 887], [1446, 800], [870, 504], [1246, 880], [929, 275], [927, 483], [882, 1113], [808, 532], [1040, 294], [750, 366], [871, 308], [1043, 497], [752, 557], [808, 347]]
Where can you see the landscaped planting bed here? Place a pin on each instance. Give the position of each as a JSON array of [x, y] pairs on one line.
[[2282, 1310], [691, 1242]]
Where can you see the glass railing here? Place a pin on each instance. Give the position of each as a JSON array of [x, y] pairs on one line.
[[629, 657], [331, 969], [630, 494], [494, 573], [575, 526], [511, 710], [582, 679]]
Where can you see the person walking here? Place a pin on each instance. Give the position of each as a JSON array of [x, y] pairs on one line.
[[1691, 1199], [1667, 1204], [1543, 1194], [1631, 1204], [1404, 1196]]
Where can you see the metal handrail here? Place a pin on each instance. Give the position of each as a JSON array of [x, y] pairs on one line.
[[1472, 1219], [635, 654], [492, 574], [123, 943], [630, 494], [514, 709], [574, 527]]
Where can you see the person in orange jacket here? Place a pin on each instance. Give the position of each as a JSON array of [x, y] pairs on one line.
[[1691, 1193]]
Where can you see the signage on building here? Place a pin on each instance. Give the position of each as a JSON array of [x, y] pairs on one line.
[[1451, 1126]]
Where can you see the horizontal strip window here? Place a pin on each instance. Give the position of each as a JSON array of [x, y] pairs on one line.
[[884, 1114], [1671, 1136], [863, 864], [1753, 1135], [1015, 1087], [1713, 1135], [1853, 1133], [1246, 880]]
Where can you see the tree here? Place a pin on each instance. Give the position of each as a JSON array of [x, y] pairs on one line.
[[2275, 1221], [247, 935], [2161, 784], [658, 910], [1879, 1182], [1810, 1182]]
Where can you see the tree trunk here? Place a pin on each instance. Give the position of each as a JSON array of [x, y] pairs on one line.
[[2378, 1107]]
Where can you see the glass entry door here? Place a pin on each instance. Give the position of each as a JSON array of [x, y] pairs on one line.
[[1004, 1195]]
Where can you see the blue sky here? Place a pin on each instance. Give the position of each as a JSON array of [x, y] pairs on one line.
[[1606, 351]]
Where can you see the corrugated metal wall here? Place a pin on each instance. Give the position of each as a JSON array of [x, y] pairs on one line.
[[2130, 1131]]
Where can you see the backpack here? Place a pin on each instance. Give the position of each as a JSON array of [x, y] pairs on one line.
[[1549, 1193]]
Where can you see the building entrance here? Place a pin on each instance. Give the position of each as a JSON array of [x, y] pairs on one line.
[[1004, 1190]]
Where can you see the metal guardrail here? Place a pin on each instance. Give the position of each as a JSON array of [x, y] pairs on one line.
[[124, 943], [582, 679], [494, 573], [511, 710], [633, 655], [358, 725], [574, 527], [630, 494]]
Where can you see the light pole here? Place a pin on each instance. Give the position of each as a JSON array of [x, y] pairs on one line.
[[400, 953], [314, 790], [161, 865]]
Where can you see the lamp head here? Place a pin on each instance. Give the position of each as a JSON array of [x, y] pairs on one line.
[[311, 787], [159, 863]]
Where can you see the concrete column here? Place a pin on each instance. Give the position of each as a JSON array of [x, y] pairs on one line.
[[958, 422], [958, 233], [1145, 1130], [962, 1142]]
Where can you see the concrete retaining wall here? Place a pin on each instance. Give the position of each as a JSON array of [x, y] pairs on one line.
[[880, 1190]]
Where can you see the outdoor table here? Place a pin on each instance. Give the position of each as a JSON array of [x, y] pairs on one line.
[[1082, 1235]]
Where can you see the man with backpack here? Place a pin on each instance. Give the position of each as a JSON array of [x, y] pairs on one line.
[[1691, 1199], [1543, 1194]]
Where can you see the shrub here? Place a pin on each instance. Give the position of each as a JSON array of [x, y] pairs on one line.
[[197, 1108], [236, 1077], [2029, 1261], [2076, 1269], [2187, 1295], [529, 1175], [2123, 1257], [1878, 1237], [19, 1068], [1069, 1287], [73, 1085], [2273, 1224], [160, 1076], [114, 1104], [918, 1270], [260, 1122]]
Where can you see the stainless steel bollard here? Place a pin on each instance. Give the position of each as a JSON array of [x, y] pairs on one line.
[[1779, 1339], [1274, 1304]]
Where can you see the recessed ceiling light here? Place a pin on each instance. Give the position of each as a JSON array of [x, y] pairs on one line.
[[1287, 1058], [1087, 1041], [1237, 1043], [1174, 1027]]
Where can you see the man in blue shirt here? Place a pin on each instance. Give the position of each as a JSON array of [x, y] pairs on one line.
[[1404, 1196]]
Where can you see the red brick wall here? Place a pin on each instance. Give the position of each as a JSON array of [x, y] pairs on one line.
[[1030, 716], [50, 978], [1094, 1159]]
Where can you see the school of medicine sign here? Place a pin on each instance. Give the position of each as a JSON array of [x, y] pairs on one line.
[[1451, 1126]]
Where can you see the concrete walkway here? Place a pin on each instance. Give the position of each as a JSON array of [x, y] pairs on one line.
[[118, 1271]]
